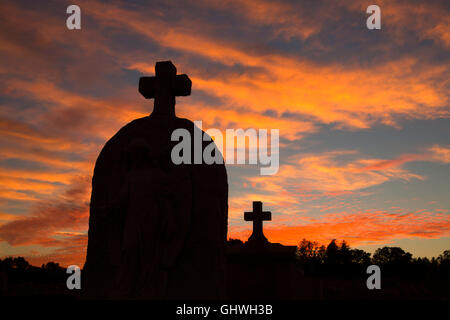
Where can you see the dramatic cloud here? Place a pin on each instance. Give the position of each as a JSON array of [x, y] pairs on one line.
[[325, 174], [68, 211], [360, 228]]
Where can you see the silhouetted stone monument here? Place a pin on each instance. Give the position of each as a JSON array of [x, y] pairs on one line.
[[259, 269], [257, 216], [156, 230]]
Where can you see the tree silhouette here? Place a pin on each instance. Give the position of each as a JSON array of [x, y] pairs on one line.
[[233, 242], [443, 262], [52, 267], [18, 263], [444, 257], [344, 254], [332, 253], [391, 256], [360, 257], [336, 261], [309, 250]]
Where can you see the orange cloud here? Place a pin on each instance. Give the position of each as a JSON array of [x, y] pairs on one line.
[[70, 249], [68, 211], [440, 153], [6, 217], [329, 94], [323, 172], [307, 177], [426, 19], [371, 227]]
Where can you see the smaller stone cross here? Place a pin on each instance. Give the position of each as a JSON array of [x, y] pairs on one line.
[[257, 216]]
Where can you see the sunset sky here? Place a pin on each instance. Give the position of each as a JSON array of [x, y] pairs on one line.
[[364, 115]]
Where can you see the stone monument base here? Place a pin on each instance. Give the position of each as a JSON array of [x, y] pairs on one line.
[[260, 271]]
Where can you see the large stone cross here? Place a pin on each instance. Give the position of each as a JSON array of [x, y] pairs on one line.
[[257, 216], [164, 87]]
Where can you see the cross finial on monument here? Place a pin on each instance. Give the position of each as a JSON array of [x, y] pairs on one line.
[[257, 216], [164, 87]]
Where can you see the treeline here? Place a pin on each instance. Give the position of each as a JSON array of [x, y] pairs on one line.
[[335, 259], [17, 270], [338, 259]]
